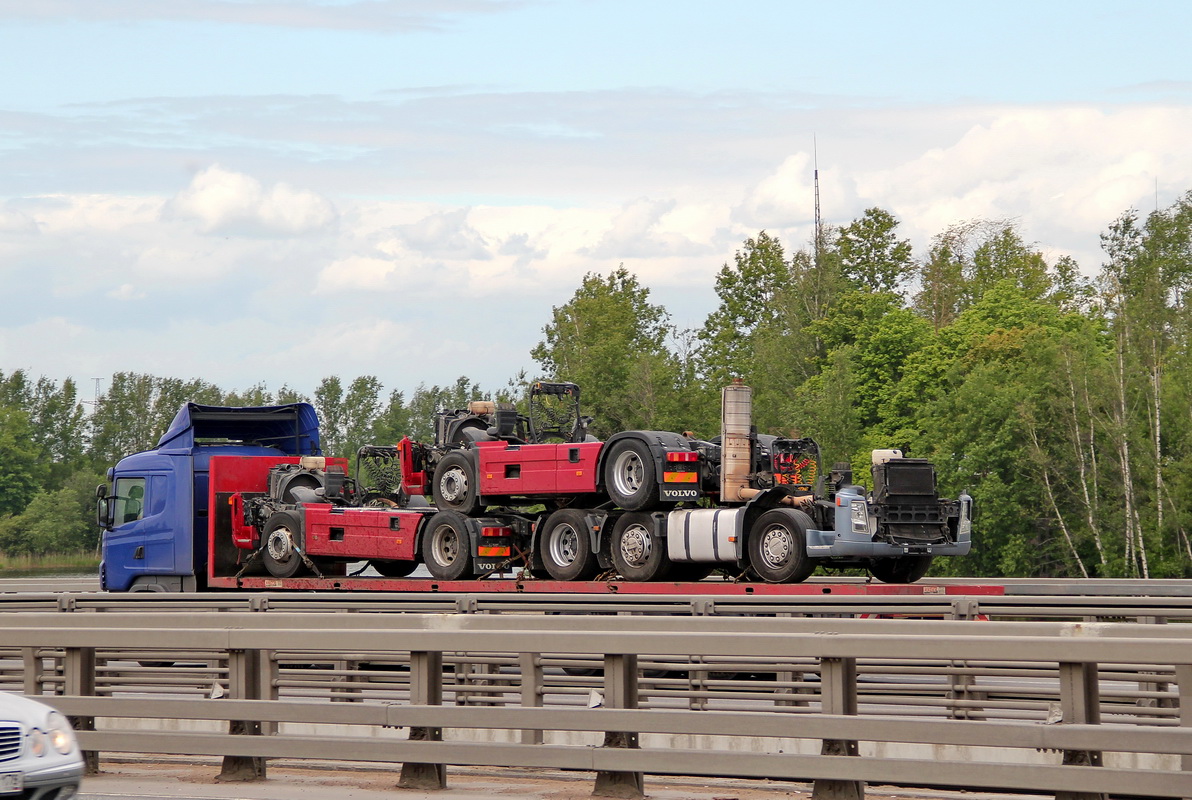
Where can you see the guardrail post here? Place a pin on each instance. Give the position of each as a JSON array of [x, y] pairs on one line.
[[838, 695], [78, 680], [244, 683], [33, 684], [426, 689], [531, 691], [1183, 679], [1080, 704], [620, 691]]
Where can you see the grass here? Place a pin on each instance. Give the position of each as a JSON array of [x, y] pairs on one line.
[[78, 561]]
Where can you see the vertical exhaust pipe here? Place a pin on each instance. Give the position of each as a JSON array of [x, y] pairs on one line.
[[736, 456], [736, 447]]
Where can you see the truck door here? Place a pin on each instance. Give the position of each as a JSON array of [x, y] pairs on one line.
[[140, 541]]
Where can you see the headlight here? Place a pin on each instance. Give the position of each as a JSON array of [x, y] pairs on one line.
[[965, 525], [59, 733], [860, 516], [37, 742]]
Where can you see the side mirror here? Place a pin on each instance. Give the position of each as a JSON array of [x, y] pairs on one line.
[[103, 507]]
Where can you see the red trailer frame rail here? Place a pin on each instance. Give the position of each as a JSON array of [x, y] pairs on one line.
[[724, 588]]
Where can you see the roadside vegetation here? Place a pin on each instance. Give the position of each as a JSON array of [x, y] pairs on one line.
[[1058, 394]]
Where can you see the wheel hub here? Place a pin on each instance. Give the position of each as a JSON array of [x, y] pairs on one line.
[[446, 545], [635, 545], [280, 544], [453, 485], [629, 473], [777, 546], [565, 545]]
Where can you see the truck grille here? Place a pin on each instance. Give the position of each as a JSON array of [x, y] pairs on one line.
[[10, 741]]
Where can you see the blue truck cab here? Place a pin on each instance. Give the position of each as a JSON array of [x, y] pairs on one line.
[[154, 509]]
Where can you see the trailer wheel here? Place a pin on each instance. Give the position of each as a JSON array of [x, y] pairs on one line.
[[280, 544], [566, 547], [446, 546], [778, 546], [903, 569], [394, 569], [629, 475], [637, 555], [455, 487]]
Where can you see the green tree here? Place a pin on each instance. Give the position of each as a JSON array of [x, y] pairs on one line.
[[611, 340], [871, 254], [21, 471], [747, 290]]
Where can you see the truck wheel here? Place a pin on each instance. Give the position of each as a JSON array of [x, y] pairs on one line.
[[629, 476], [903, 569], [394, 569], [446, 546], [637, 555], [281, 541], [778, 546], [566, 547], [455, 487]]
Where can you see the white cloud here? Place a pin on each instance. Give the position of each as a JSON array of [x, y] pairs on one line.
[[126, 291], [223, 201], [241, 278]]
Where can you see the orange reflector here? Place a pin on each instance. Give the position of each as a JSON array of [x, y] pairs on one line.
[[503, 531], [680, 477], [492, 551], [732, 538]]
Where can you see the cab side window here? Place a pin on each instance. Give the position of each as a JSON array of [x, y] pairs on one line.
[[130, 500]]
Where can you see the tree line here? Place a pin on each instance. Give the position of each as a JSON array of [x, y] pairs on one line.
[[1061, 401]]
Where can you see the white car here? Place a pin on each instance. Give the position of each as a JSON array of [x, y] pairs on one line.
[[39, 757]]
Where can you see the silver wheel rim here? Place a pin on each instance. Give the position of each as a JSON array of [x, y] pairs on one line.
[[453, 485], [564, 545], [635, 545], [777, 546], [444, 545], [629, 473], [280, 544]]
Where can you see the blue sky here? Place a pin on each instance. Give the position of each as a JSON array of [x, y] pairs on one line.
[[278, 191]]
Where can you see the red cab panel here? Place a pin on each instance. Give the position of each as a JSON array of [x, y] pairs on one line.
[[362, 532], [536, 469]]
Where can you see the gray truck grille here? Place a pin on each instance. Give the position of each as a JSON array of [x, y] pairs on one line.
[[10, 741]]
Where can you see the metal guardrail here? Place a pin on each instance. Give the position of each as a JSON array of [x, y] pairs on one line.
[[1085, 708]]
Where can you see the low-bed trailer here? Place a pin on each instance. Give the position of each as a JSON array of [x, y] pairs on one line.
[[233, 498]]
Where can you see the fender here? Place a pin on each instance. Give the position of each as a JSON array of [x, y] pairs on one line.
[[659, 443], [754, 508]]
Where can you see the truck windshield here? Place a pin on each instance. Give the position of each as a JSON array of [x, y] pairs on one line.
[[130, 500]]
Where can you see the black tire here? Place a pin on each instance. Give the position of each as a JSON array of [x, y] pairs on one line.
[[447, 547], [629, 476], [777, 546], [637, 555], [566, 547], [455, 486], [394, 569], [691, 571], [903, 569], [280, 544]]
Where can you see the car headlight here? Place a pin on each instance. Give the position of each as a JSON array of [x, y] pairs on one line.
[[56, 734]]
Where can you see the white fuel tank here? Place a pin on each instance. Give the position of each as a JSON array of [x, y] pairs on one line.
[[703, 534]]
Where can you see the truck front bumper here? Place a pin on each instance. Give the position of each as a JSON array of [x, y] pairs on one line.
[[834, 544]]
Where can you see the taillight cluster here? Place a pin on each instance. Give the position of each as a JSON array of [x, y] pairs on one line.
[[490, 547], [682, 466]]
